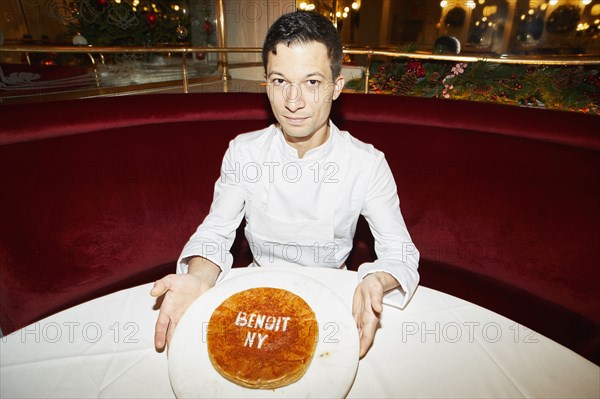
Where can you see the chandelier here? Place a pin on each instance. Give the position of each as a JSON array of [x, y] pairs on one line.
[[335, 10]]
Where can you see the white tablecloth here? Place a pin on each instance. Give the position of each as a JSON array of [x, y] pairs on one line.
[[439, 346]]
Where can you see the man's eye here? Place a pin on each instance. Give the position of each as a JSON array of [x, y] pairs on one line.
[[312, 83], [278, 82]]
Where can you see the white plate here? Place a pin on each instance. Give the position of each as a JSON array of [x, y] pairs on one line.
[[331, 371]]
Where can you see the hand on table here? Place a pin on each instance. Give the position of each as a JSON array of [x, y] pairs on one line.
[[367, 305], [180, 291]]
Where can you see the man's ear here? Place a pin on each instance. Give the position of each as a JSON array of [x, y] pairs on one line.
[[338, 86]]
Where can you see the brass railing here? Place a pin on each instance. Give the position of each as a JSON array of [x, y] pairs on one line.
[[224, 67]]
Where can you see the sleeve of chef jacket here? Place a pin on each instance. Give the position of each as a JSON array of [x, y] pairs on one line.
[[214, 237], [396, 253]]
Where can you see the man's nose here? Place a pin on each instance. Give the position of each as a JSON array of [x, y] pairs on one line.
[[293, 97]]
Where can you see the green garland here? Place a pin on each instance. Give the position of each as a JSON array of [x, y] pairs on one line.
[[571, 88], [127, 23]]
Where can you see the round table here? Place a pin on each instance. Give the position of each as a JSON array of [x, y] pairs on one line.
[[438, 346]]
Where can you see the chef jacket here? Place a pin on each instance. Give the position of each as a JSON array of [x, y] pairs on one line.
[[304, 211]]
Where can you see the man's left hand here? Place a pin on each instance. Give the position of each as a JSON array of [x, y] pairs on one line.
[[367, 305]]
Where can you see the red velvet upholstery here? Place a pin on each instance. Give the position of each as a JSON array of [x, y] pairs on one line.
[[503, 202]]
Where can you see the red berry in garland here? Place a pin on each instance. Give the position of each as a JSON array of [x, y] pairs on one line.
[[207, 26], [416, 68], [151, 18]]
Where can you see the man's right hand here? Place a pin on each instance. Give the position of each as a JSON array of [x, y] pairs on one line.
[[180, 291]]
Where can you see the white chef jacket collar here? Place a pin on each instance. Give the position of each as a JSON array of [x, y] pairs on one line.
[[315, 153]]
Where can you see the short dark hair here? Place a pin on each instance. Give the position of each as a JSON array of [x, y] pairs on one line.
[[301, 27]]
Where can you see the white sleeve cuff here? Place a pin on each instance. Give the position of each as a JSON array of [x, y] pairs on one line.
[[182, 264], [406, 276]]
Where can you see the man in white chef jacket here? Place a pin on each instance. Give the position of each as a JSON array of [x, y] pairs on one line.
[[300, 185]]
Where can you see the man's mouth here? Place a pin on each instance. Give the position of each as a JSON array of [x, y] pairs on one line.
[[295, 120]]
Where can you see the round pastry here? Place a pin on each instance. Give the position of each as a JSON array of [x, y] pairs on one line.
[[262, 337]]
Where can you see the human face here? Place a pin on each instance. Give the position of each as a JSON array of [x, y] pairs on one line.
[[301, 89]]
